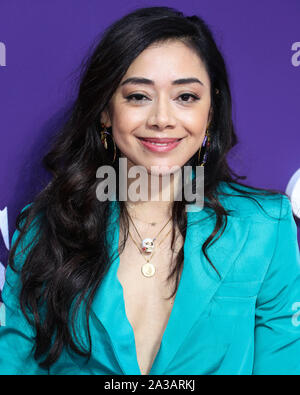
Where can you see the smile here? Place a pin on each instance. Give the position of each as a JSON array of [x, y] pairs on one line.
[[160, 145]]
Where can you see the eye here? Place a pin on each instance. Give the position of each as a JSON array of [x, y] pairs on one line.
[[134, 96], [188, 95]]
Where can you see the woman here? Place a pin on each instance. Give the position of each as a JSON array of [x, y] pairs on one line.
[[121, 286]]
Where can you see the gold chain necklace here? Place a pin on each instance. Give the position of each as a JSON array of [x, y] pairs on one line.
[[148, 269], [147, 243]]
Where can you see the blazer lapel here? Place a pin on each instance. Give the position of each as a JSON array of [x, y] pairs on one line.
[[199, 281], [109, 306], [198, 284]]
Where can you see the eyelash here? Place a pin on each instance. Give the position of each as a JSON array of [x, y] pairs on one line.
[[130, 97]]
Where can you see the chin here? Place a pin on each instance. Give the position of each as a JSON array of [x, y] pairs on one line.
[[163, 169]]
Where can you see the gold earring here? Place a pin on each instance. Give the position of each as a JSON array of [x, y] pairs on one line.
[[103, 134]]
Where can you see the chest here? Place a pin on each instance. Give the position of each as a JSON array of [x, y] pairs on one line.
[[146, 299]]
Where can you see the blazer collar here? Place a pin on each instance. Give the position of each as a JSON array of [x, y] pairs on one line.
[[198, 284]]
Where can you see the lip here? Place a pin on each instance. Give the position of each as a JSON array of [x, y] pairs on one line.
[[159, 140], [171, 143]]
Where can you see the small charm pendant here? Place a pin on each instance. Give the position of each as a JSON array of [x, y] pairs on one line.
[[147, 245], [148, 269]]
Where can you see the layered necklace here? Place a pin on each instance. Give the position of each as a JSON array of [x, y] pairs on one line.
[[147, 246]]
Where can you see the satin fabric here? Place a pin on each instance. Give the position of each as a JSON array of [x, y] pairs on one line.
[[244, 322]]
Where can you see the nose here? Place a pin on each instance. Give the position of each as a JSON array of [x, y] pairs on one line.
[[162, 115]]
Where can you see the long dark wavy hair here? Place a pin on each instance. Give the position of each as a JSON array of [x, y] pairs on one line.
[[69, 255]]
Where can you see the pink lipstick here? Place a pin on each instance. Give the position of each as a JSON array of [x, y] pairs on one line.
[[160, 144]]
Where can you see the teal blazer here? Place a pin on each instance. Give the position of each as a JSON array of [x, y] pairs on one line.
[[245, 323]]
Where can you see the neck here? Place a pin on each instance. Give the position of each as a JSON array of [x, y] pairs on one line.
[[160, 191]]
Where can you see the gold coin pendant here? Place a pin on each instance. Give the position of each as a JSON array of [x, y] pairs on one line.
[[148, 269]]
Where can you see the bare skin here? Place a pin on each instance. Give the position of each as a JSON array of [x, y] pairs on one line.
[[163, 110], [146, 309]]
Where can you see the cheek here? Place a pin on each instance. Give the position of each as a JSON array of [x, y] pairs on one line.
[[125, 124], [196, 124], [194, 120], [129, 116]]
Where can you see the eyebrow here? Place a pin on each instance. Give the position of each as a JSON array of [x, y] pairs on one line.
[[146, 81]]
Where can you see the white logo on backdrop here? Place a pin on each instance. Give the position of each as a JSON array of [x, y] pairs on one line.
[[5, 234], [296, 56], [2, 55], [4, 226], [293, 191]]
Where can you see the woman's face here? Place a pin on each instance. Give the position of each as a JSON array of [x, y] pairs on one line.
[[161, 107]]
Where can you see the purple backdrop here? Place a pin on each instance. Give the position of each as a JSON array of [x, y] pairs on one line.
[[42, 45]]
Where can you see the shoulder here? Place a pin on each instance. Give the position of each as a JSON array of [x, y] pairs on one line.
[[249, 202], [265, 222], [23, 241], [31, 232]]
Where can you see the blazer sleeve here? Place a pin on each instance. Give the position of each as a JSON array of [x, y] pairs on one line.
[[17, 335], [277, 326]]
